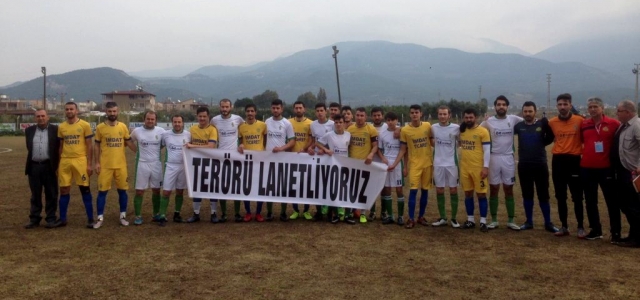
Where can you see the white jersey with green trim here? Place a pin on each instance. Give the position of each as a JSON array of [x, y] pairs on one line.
[[174, 143], [501, 131], [279, 132], [149, 143], [227, 131], [389, 144], [318, 130], [445, 139], [338, 143]]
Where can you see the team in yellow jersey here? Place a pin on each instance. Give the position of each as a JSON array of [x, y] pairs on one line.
[[415, 141], [252, 136], [111, 139], [302, 131]]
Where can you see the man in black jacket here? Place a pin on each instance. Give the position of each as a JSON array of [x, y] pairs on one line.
[[42, 163]]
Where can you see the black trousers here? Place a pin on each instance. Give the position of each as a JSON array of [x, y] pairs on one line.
[[43, 176], [565, 171], [629, 201], [591, 179], [534, 174]]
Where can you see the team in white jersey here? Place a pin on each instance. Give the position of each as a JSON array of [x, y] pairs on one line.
[[388, 150], [502, 167], [174, 173], [280, 138], [445, 164], [336, 142], [321, 126], [227, 125]]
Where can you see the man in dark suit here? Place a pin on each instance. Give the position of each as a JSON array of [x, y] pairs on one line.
[[42, 163]]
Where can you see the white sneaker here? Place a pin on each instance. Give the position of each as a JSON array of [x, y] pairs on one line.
[[513, 226], [98, 224], [455, 224], [493, 225], [124, 222], [440, 222]]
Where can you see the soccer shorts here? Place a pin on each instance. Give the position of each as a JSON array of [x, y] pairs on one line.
[[471, 181], [445, 176], [502, 169], [174, 177], [148, 174], [420, 178], [71, 167], [107, 175], [394, 178]]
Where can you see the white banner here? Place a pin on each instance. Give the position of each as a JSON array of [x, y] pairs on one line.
[[283, 177]]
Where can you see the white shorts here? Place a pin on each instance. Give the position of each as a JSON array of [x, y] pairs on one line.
[[394, 178], [445, 176], [174, 177], [148, 175], [502, 169]]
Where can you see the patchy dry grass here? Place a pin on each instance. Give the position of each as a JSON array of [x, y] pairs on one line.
[[294, 260]]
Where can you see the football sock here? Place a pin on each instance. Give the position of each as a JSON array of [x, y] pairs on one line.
[[214, 205], [387, 205], [511, 208], [493, 203], [400, 206], [197, 203], [454, 206], [412, 203], [283, 208], [155, 201], [424, 197], [546, 211], [101, 202], [223, 207], [236, 206], [88, 205], [259, 207], [469, 206], [179, 200], [64, 205], [482, 203], [270, 208], [528, 209], [306, 208], [164, 204], [137, 205], [123, 198], [295, 207], [247, 207], [441, 209]]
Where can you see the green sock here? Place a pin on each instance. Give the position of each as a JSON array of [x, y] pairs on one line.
[[373, 208], [400, 206], [387, 205], [511, 208], [223, 207], [236, 206], [164, 203], [454, 206], [137, 205], [155, 200], [441, 209], [493, 206], [179, 200], [341, 211], [270, 208], [283, 209]]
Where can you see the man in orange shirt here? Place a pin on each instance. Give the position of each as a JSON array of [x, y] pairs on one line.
[[565, 164]]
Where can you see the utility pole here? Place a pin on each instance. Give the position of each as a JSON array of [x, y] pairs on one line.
[[548, 92], [335, 57], [44, 88], [479, 93], [636, 70]]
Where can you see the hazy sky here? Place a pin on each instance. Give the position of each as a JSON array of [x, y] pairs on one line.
[[134, 35]]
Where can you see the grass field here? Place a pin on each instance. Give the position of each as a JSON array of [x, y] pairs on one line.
[[298, 259]]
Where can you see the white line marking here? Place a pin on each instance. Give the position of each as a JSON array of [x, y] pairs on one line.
[[5, 150]]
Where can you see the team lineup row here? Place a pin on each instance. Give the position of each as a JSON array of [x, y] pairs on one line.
[[429, 154]]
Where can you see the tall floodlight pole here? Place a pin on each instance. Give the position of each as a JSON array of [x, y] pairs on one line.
[[548, 92], [44, 88], [479, 93], [636, 70], [335, 58]]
